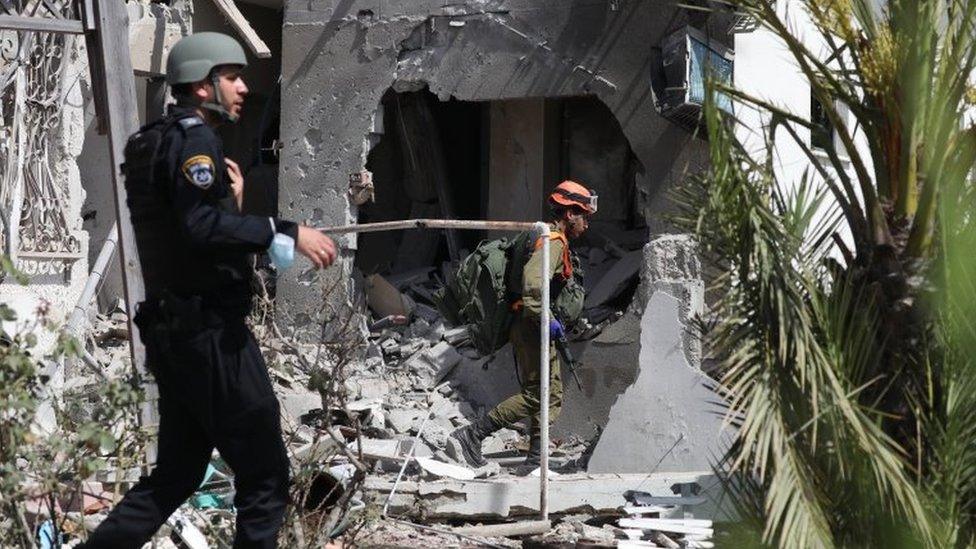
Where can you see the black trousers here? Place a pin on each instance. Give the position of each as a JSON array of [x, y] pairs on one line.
[[214, 391]]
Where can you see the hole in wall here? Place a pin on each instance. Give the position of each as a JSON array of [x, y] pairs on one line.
[[498, 160]]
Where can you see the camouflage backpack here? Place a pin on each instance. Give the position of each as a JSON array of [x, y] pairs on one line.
[[481, 291]]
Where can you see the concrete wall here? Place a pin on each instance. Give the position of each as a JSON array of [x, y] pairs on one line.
[[339, 57], [517, 170], [765, 69]]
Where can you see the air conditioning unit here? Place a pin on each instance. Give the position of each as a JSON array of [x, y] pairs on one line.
[[688, 56]]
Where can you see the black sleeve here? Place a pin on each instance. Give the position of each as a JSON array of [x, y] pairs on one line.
[[197, 195]]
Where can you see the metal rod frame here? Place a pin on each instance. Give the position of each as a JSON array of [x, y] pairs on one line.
[[542, 229]]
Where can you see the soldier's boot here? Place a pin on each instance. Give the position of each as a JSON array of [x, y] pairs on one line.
[[464, 444], [533, 459]]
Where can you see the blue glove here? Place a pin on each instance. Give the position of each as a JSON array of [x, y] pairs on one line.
[[556, 329], [282, 251]]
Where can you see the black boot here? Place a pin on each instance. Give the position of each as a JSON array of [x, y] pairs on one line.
[[533, 460], [464, 444]]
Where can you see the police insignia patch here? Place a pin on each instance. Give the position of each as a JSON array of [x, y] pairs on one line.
[[199, 170]]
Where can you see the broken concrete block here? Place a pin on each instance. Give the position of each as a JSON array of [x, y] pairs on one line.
[[594, 534], [382, 449], [410, 348], [367, 387], [457, 336], [402, 421], [500, 441], [419, 328], [376, 419], [435, 436], [490, 470], [446, 424], [442, 358], [672, 257], [448, 470], [508, 496], [436, 332], [297, 404], [363, 404], [151, 40], [671, 406], [373, 350], [390, 347]]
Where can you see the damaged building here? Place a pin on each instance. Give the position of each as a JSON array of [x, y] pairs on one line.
[[365, 111], [473, 110]]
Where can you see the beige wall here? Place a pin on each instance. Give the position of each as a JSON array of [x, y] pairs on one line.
[[524, 158]]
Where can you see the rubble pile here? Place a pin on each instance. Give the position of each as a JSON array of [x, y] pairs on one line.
[[391, 412], [398, 534]]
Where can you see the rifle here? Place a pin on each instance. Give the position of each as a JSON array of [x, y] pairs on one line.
[[562, 345]]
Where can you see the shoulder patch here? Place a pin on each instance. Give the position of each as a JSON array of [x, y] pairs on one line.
[[199, 170], [190, 121]]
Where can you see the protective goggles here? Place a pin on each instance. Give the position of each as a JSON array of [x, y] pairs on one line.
[[588, 201]]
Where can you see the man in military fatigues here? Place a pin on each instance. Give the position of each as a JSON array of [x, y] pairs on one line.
[[194, 245], [571, 205]]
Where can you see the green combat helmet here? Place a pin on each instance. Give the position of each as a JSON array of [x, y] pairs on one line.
[[193, 59]]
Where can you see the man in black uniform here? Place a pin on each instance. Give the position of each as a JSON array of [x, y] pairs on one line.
[[194, 245]]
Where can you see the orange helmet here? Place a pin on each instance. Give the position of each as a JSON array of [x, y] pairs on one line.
[[571, 193]]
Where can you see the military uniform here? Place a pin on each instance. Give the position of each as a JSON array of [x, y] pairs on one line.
[[525, 337], [570, 203], [214, 389]]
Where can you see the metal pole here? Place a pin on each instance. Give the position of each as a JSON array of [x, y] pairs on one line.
[[543, 229], [432, 224]]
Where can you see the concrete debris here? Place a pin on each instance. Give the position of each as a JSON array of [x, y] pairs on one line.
[[573, 532], [402, 421], [441, 469], [402, 400], [382, 449], [298, 403], [676, 531], [457, 336], [380, 533], [521, 528], [507, 496]]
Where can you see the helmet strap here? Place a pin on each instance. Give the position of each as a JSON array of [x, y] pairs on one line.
[[217, 105]]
